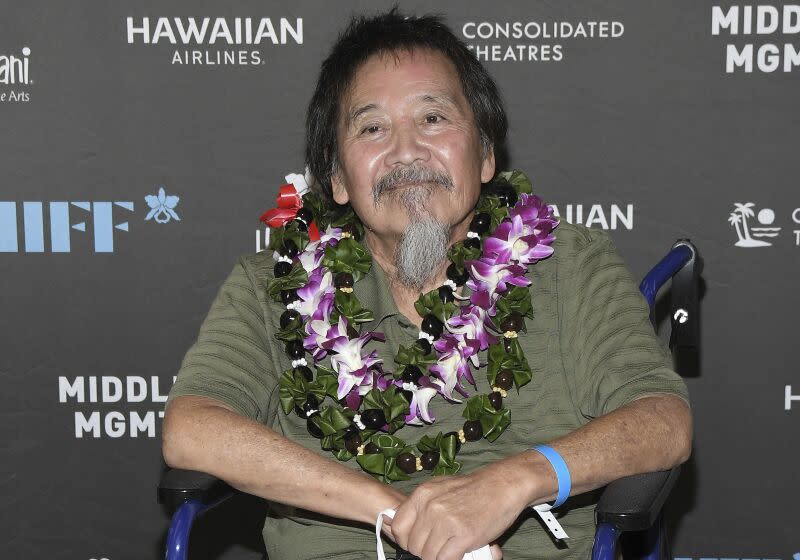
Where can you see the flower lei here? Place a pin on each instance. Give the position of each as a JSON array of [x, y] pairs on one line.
[[314, 277]]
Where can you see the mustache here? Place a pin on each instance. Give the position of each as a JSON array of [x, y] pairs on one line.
[[402, 176]]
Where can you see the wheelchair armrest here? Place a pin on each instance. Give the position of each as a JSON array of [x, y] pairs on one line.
[[634, 502], [178, 485]]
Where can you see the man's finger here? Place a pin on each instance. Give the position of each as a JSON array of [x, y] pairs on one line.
[[402, 523], [418, 537], [386, 528], [400, 534], [453, 549], [497, 552]]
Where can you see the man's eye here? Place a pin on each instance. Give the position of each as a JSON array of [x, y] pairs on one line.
[[433, 118], [371, 129]]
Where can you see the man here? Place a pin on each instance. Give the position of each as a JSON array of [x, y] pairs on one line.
[[403, 127]]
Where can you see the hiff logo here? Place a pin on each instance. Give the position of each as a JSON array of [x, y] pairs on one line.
[[103, 216], [753, 236], [14, 69]]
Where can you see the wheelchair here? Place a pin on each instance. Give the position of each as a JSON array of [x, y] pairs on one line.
[[630, 505]]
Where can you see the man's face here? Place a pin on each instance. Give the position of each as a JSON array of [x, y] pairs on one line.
[[404, 114]]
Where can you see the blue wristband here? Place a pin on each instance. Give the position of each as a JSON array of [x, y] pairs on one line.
[[562, 472]]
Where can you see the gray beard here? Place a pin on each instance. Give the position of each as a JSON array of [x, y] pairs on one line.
[[423, 245], [421, 250]]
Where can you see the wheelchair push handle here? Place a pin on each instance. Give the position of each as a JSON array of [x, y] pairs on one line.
[[683, 265]]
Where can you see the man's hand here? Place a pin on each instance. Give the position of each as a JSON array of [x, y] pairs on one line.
[[448, 516]]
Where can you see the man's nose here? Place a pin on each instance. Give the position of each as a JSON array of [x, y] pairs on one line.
[[407, 146]]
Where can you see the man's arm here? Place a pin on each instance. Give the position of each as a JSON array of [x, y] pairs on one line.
[[205, 435], [216, 417], [651, 433], [448, 516], [612, 357]]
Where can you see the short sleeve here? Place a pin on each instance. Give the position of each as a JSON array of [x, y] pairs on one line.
[[609, 345], [230, 360]]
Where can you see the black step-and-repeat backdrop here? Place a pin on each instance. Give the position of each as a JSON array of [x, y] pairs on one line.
[[141, 141]]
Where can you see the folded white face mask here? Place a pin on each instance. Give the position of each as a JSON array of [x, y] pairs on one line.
[[482, 553]]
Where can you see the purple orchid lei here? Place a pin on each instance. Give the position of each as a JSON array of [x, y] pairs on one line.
[[507, 252], [517, 243], [523, 236]]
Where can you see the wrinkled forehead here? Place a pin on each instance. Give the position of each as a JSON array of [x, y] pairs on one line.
[[428, 71]]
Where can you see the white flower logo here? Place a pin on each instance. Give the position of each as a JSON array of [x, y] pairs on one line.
[[162, 206]]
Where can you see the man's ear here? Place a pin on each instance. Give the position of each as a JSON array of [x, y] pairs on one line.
[[488, 166], [338, 189]]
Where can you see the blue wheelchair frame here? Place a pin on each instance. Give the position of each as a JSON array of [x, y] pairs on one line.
[[629, 504]]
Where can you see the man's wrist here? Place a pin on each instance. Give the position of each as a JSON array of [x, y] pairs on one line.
[[537, 479], [379, 497]]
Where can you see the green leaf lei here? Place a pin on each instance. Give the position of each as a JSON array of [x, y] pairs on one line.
[[368, 433]]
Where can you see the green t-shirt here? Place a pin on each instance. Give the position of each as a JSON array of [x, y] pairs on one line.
[[590, 346]]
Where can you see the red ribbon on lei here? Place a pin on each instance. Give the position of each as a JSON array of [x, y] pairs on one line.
[[289, 202]]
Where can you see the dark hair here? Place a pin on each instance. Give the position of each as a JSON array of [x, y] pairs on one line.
[[389, 33]]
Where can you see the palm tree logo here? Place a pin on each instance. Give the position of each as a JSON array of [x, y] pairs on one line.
[[748, 235]]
